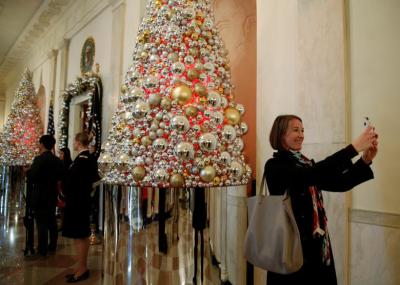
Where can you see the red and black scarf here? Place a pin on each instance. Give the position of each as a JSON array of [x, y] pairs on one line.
[[320, 222]]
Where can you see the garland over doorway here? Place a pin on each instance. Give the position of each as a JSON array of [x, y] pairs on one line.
[[89, 84]]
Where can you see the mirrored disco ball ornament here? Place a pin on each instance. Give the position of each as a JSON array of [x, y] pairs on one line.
[[208, 142]]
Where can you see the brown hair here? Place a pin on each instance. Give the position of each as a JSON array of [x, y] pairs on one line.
[[83, 138], [279, 129]]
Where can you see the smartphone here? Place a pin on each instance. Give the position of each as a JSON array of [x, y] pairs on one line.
[[367, 122]]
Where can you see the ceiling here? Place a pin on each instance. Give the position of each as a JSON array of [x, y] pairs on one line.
[[14, 17]]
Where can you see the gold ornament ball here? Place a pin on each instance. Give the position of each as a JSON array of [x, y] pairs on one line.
[[147, 33], [191, 111], [165, 103], [216, 181], [192, 74], [138, 173], [146, 141], [169, 14], [177, 180], [124, 89], [195, 36], [141, 39], [173, 57], [120, 127], [182, 94], [207, 174], [144, 55], [158, 3], [232, 116], [200, 89], [200, 15], [193, 51]]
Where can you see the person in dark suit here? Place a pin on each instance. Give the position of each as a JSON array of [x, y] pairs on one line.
[[46, 171], [304, 179], [65, 156], [78, 186]]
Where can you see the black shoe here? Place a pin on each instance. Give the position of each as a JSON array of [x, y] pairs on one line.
[[69, 275], [83, 276], [52, 248]]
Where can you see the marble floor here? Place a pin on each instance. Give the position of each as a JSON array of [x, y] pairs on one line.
[[139, 253]]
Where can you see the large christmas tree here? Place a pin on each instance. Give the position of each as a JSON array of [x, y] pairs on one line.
[[176, 123], [21, 133]]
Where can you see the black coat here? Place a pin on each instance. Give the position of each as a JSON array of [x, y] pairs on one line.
[[336, 173], [78, 186], [45, 172]]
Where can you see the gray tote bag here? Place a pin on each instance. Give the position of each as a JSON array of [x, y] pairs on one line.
[[272, 239]]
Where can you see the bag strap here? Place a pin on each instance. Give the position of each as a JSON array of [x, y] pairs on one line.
[[264, 186]]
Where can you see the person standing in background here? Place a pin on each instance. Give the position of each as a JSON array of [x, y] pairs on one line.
[[78, 186], [45, 173], [65, 157]]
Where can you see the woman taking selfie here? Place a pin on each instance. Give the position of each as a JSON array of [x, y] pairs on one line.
[[304, 179]]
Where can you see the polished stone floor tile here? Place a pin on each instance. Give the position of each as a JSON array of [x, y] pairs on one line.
[[139, 261]]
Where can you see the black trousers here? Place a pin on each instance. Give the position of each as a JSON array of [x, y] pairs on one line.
[[46, 223]]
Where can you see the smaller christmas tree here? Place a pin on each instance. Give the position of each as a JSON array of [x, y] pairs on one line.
[[21, 133]]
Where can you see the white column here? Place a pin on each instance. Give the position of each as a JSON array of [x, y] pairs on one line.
[[236, 227], [53, 77], [60, 79], [215, 222], [301, 70], [224, 234], [116, 57]]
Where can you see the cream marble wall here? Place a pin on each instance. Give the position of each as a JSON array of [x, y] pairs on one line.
[[100, 29], [375, 67], [375, 248], [301, 71], [374, 43]]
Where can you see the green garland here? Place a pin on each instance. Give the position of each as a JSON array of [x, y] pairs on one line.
[[91, 84]]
